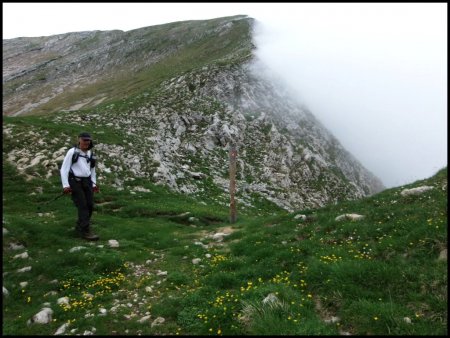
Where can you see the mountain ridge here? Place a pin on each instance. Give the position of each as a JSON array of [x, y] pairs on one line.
[[67, 61], [179, 114]]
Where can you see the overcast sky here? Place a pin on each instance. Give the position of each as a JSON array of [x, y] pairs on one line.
[[375, 74]]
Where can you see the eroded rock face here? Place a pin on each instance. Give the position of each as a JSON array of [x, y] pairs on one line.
[[179, 134], [284, 154]]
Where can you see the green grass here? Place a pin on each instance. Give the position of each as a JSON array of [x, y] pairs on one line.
[[371, 274]]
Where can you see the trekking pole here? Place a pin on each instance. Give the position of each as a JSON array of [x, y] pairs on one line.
[[47, 202]]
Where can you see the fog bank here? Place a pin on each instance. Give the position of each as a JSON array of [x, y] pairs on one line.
[[376, 78]]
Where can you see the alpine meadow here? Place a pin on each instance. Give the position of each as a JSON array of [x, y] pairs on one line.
[[319, 246]]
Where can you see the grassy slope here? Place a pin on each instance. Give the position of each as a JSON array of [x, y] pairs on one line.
[[371, 274]]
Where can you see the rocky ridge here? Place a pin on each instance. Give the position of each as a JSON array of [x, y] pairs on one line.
[[178, 133]]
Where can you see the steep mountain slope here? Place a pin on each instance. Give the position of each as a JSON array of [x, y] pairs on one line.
[[165, 103]]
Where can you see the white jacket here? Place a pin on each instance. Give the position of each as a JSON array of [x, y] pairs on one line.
[[81, 168]]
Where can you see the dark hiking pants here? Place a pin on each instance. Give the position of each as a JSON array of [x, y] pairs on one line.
[[83, 198]]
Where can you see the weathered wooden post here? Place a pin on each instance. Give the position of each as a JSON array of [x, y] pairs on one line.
[[233, 155]]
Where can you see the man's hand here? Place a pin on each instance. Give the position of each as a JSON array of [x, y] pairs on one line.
[[95, 189], [67, 190]]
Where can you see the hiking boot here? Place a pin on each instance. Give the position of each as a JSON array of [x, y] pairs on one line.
[[88, 235]]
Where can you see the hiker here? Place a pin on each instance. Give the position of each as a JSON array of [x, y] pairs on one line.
[[79, 179]]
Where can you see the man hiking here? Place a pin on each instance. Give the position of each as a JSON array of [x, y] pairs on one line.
[[79, 179]]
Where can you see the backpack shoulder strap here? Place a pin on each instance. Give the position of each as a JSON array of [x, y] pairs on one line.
[[92, 159], [75, 155]]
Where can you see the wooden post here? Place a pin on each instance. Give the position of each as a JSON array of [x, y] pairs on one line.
[[233, 154]]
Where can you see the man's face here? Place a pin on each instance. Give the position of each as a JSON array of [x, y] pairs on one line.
[[84, 142]]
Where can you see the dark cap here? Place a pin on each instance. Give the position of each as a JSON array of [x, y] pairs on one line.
[[85, 136]]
